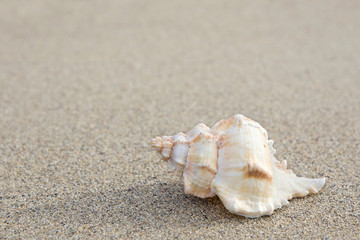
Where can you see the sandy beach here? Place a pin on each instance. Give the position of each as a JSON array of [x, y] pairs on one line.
[[85, 85]]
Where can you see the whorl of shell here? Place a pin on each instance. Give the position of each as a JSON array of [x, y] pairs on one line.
[[234, 160]]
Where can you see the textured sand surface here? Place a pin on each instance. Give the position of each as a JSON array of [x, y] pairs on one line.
[[85, 85]]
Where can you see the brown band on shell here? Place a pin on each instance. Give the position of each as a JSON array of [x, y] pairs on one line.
[[167, 148], [224, 142], [157, 143], [198, 138], [253, 171], [208, 169], [223, 125]]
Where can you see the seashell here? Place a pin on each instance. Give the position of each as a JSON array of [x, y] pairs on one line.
[[235, 161]]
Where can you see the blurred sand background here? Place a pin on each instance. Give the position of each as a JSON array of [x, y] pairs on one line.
[[85, 85]]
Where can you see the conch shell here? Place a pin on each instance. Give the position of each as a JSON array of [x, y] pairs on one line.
[[235, 161]]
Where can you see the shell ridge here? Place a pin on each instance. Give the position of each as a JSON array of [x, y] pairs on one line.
[[244, 181], [201, 163]]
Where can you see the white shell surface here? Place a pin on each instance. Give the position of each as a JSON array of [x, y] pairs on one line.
[[234, 160], [179, 153], [244, 181], [201, 165]]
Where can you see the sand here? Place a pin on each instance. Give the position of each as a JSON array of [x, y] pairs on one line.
[[85, 85]]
